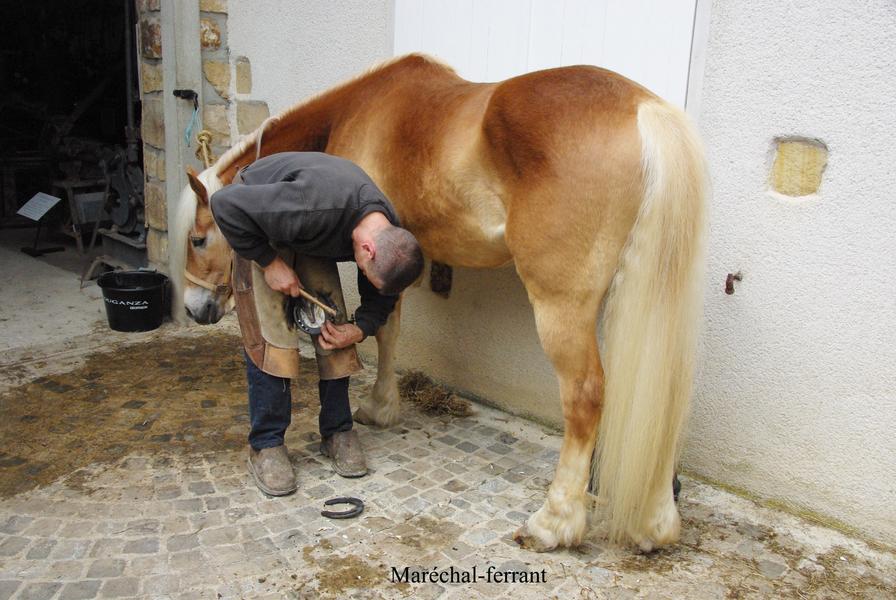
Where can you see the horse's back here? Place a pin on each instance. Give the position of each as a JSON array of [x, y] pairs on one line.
[[460, 158]]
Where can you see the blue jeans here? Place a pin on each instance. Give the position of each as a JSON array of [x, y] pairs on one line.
[[270, 407]]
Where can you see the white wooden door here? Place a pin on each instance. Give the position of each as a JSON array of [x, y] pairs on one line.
[[648, 41]]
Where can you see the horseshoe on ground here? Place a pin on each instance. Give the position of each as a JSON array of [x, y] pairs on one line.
[[357, 508]]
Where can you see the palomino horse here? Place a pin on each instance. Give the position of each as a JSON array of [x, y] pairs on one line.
[[592, 186]]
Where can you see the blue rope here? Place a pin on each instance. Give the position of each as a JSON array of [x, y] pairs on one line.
[[188, 133]]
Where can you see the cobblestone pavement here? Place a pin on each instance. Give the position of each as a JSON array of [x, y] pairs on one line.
[[123, 475]]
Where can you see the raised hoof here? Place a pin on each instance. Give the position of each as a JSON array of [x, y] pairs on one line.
[[530, 542]]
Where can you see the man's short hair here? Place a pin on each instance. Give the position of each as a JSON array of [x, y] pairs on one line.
[[398, 261]]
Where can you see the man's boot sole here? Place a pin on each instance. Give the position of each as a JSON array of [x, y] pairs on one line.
[[263, 487]]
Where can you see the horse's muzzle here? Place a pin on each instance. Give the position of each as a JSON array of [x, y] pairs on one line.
[[208, 315]]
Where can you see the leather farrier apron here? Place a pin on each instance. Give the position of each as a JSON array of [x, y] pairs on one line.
[[270, 337]]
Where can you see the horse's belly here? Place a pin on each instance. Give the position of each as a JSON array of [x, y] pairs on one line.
[[466, 245], [467, 231]]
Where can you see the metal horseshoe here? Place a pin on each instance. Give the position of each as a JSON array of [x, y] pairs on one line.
[[357, 508]]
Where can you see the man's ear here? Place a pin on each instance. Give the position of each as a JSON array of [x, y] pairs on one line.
[[369, 248], [197, 186]]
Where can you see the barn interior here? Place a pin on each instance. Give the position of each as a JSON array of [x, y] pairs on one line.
[[70, 128]]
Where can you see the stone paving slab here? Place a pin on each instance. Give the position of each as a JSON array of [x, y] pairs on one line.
[[175, 519]]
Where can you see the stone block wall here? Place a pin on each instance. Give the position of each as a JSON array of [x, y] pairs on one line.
[[227, 107], [149, 53], [216, 70]]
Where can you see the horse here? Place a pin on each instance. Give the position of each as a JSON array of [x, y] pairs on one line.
[[592, 186]]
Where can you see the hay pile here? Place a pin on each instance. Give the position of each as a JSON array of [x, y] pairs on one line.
[[432, 399]]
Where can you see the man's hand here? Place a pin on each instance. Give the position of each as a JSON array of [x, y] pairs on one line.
[[281, 278], [333, 337]]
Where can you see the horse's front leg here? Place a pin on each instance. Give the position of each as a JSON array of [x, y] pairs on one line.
[[563, 518], [383, 405]]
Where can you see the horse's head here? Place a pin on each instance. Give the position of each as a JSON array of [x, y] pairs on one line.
[[200, 260]]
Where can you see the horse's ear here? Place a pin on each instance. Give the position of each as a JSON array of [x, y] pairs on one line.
[[197, 186]]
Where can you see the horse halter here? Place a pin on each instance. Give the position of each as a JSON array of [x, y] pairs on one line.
[[218, 289]]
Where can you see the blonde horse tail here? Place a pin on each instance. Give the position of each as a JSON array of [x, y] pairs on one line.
[[650, 329]]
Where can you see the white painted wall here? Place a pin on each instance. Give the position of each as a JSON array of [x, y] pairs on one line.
[[797, 395], [300, 48], [491, 40]]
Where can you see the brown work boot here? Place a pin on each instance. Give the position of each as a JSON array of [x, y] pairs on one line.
[[345, 449], [272, 470]]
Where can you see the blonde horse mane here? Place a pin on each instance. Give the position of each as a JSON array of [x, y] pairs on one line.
[[178, 234]]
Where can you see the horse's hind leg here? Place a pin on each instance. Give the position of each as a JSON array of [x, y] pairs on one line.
[[383, 406], [567, 330], [566, 287]]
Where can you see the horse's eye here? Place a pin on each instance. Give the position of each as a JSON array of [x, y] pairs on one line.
[[198, 242]]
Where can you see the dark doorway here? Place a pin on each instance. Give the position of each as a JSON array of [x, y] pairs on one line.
[[65, 94]]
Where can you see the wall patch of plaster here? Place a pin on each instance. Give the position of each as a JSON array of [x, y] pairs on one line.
[[798, 166]]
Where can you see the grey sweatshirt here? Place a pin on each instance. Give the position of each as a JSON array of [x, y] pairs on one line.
[[311, 202]]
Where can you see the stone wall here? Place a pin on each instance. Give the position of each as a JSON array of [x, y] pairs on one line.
[[227, 107], [149, 52]]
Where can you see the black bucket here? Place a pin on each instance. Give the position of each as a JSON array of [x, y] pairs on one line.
[[135, 300]]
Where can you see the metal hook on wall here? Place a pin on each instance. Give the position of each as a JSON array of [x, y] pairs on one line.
[[729, 281]]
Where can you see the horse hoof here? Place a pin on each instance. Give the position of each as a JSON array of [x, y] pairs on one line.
[[645, 547], [363, 418], [530, 542]]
